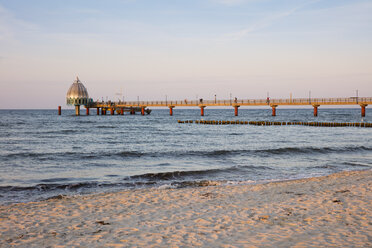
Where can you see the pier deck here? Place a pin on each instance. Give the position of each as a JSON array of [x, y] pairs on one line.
[[139, 106], [243, 102]]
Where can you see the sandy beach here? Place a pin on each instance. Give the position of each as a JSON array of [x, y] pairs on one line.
[[330, 211]]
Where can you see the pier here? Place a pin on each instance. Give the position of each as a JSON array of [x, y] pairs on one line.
[[141, 106], [77, 95], [133, 107]]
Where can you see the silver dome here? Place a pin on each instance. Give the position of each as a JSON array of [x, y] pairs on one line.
[[77, 94]]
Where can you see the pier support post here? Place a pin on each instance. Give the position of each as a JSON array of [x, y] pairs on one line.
[[122, 111], [112, 111], [363, 110], [236, 109], [142, 110], [102, 111], [315, 110], [273, 109], [132, 112], [59, 110], [202, 110], [97, 111], [77, 110], [87, 111], [171, 110]]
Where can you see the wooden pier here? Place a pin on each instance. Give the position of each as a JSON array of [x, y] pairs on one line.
[[77, 95], [141, 106]]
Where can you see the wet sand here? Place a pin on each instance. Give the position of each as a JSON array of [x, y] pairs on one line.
[[331, 211]]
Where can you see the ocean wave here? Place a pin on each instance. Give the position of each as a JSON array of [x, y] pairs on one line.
[[79, 187], [22, 155], [214, 153], [326, 166], [310, 150], [129, 154], [195, 174], [124, 154], [105, 127], [5, 124], [15, 194], [44, 187], [71, 155], [342, 166], [37, 155], [357, 164], [62, 131], [51, 180], [149, 179], [175, 174], [277, 151], [54, 188]]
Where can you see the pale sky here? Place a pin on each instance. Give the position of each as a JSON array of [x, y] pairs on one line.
[[183, 49]]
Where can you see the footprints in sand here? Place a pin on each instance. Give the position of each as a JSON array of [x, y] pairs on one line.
[[101, 222], [305, 213], [209, 195], [263, 217], [343, 191]]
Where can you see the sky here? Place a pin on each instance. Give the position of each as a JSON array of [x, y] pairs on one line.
[[185, 49]]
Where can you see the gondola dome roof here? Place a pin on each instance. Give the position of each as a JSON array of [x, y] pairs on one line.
[[77, 90]]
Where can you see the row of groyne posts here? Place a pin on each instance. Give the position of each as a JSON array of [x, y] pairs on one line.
[[278, 123]]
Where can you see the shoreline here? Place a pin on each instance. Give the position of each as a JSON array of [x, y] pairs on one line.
[[331, 210], [173, 185]]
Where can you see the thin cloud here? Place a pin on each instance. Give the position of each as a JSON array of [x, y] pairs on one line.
[[233, 2], [4, 24], [266, 22], [10, 26], [87, 11]]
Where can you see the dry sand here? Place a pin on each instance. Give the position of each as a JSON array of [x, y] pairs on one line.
[[331, 211]]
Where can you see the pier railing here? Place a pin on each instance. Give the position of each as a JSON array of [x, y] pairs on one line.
[[240, 102]]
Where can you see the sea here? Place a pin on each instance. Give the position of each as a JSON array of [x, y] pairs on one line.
[[44, 155]]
